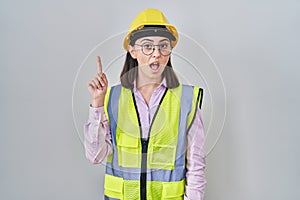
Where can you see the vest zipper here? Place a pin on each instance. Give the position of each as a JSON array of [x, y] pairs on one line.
[[145, 142], [143, 191]]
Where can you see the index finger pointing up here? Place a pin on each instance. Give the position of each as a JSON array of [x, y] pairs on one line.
[[99, 65]]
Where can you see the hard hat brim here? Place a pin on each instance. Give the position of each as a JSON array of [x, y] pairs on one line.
[[171, 28], [151, 31]]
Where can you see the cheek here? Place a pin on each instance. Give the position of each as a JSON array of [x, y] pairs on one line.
[[166, 59], [142, 59]]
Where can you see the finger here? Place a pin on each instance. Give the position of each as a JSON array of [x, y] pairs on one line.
[[99, 65], [96, 82], [91, 84], [100, 80], [105, 79]]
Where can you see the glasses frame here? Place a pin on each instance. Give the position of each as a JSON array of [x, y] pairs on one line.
[[153, 49]]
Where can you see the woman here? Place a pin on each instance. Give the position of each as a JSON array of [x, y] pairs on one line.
[[149, 128]]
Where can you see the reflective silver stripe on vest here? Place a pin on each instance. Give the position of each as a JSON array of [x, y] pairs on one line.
[[109, 198], [185, 108], [113, 105], [178, 173]]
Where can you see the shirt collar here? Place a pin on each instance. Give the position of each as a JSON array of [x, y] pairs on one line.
[[163, 83]]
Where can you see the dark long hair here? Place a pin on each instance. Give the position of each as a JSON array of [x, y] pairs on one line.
[[130, 73]]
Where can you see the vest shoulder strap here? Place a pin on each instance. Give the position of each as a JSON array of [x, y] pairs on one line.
[[196, 102], [111, 98]]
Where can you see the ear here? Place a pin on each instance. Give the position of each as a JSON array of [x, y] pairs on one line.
[[132, 51]]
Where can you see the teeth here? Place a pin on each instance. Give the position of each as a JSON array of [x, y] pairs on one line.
[[154, 65]]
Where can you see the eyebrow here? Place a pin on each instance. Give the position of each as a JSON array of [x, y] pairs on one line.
[[153, 40]]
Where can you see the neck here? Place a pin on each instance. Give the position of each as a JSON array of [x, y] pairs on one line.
[[147, 84], [146, 88]]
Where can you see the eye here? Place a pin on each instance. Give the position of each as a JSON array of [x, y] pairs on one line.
[[148, 46], [164, 46]]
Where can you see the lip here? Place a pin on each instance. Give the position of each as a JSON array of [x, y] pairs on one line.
[[154, 62], [156, 68]]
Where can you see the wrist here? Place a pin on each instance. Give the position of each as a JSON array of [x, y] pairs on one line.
[[97, 103]]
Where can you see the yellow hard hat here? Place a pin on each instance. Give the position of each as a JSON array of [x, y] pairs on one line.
[[150, 17]]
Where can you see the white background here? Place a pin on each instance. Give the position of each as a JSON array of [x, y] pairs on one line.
[[254, 43]]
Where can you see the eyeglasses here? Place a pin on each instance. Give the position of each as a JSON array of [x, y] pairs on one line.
[[148, 48]]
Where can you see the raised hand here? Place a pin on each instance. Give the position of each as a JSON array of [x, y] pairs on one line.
[[97, 86]]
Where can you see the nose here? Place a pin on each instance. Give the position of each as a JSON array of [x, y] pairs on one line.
[[156, 51]]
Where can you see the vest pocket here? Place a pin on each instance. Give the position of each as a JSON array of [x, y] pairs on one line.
[[113, 186], [127, 140], [173, 190], [162, 156], [128, 151]]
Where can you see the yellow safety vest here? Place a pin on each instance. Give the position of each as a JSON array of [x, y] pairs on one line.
[[152, 168]]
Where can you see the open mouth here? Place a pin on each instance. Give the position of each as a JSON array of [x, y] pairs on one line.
[[154, 66]]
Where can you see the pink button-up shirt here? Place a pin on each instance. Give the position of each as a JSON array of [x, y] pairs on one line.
[[98, 140]]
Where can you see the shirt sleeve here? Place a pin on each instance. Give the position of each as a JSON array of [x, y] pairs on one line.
[[195, 176], [97, 136]]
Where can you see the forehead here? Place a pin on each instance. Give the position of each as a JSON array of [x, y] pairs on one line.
[[153, 39]]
